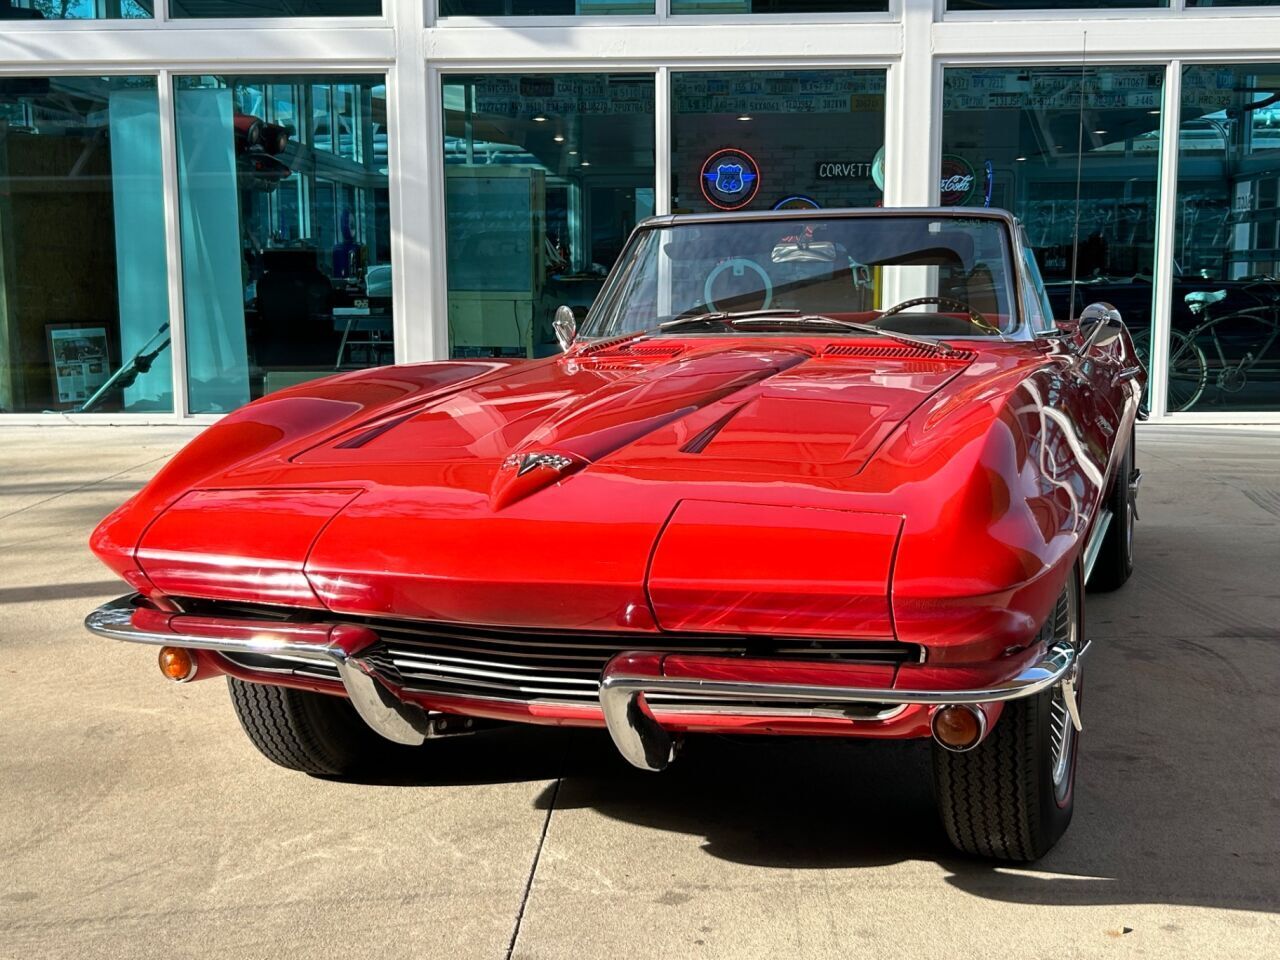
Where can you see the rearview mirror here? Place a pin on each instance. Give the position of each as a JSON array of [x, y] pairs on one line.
[[1099, 325], [565, 326]]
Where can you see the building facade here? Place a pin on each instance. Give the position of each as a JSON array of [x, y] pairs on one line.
[[202, 201]]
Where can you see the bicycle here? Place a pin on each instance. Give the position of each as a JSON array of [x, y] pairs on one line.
[[1227, 349]]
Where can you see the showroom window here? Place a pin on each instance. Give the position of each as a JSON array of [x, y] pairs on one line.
[[1224, 349], [76, 9], [286, 231], [543, 8], [546, 175], [723, 7], [759, 140], [987, 5], [246, 9], [1095, 4], [1017, 138], [84, 310]]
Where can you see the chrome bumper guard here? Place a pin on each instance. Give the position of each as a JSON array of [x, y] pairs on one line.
[[378, 707], [645, 744]]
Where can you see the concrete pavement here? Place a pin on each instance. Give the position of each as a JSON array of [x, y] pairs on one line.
[[139, 822]]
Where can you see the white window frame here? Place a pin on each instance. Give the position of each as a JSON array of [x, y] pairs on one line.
[[914, 41]]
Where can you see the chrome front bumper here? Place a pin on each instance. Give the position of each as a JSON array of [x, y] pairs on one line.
[[645, 744], [640, 737]]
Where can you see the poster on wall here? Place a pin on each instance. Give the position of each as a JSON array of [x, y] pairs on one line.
[[80, 361]]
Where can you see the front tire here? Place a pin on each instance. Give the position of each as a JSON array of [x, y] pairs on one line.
[[1012, 796], [300, 730]]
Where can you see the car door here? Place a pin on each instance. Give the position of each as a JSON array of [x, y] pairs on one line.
[[1092, 396]]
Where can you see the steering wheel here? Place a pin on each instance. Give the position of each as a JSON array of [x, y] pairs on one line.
[[739, 266], [976, 318]]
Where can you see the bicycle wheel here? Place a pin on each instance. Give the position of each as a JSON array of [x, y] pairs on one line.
[[1239, 348], [1188, 368]]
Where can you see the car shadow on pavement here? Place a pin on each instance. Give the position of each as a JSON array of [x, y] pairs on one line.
[[826, 804], [830, 804]]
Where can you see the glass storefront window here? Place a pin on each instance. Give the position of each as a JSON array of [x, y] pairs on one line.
[[245, 9], [546, 174], [76, 10], [1095, 4], [1012, 138], [723, 7], [544, 8], [1224, 351], [84, 308], [1054, 4], [285, 231], [757, 140]]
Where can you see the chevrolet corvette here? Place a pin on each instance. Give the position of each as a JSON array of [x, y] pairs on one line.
[[803, 473]]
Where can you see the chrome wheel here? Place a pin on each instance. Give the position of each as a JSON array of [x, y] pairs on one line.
[[1062, 733]]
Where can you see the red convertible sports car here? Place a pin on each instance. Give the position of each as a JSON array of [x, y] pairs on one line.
[[817, 473]]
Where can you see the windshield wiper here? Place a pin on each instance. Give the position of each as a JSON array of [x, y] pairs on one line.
[[815, 319], [722, 317]]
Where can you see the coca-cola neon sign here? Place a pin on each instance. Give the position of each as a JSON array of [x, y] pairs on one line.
[[958, 181]]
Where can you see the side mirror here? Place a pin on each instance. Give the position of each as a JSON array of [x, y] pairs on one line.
[[565, 326], [1099, 325]]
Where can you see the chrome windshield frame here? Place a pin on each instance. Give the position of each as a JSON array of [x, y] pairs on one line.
[[1013, 248]]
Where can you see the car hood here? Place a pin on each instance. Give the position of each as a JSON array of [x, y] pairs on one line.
[[537, 494], [745, 409]]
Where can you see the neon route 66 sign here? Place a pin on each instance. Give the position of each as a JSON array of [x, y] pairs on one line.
[[730, 179]]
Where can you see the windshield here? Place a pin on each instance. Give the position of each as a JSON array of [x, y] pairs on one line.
[[860, 269]]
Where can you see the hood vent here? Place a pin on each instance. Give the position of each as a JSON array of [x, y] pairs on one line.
[[895, 352], [592, 349], [629, 353]]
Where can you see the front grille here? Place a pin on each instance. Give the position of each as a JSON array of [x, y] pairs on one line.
[[566, 666], [531, 664]]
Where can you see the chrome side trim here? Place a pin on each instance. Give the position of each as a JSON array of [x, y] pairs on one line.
[[377, 706], [645, 744], [663, 708], [1094, 546]]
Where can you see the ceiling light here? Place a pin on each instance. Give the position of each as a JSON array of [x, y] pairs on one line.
[[744, 117], [558, 138], [1019, 159], [539, 119], [573, 153], [1099, 132], [586, 163], [1154, 113]]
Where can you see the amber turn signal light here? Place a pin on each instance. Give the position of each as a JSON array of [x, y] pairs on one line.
[[177, 664], [959, 728]]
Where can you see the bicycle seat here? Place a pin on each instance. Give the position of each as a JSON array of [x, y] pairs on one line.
[[1200, 299]]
